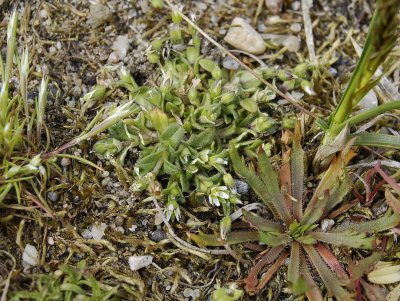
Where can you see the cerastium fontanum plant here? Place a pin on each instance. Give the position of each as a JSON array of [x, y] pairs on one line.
[[293, 227]]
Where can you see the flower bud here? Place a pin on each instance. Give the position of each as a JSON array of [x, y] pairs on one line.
[[225, 227], [107, 147], [228, 180]]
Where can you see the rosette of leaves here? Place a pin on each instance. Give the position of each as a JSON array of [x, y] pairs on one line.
[[294, 231], [187, 120]]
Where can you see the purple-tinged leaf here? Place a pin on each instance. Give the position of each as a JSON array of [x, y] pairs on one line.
[[270, 179], [214, 240], [331, 282], [331, 261], [260, 223], [350, 239], [251, 280], [297, 167], [313, 292], [381, 224]]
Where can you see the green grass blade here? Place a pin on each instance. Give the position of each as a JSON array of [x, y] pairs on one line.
[[371, 113], [377, 140], [380, 40]]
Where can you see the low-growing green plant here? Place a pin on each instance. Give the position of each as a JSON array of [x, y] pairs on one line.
[[187, 118], [68, 283], [293, 226]]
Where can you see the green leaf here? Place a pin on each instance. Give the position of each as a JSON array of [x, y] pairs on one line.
[[381, 224], [270, 179], [214, 240], [363, 266], [261, 223], [297, 173], [72, 288], [331, 282], [274, 239], [203, 139], [377, 140], [172, 135], [251, 178], [294, 266], [348, 238], [170, 168], [249, 104], [147, 163]]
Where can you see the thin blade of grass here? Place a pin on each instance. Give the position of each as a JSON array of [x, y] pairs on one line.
[[377, 140]]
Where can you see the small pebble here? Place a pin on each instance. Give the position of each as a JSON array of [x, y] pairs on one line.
[[50, 240], [275, 6], [241, 187], [327, 224], [30, 255], [139, 262], [158, 235], [295, 27], [53, 196], [65, 162], [121, 46], [230, 64], [296, 5], [43, 14], [244, 37], [119, 220], [98, 231], [98, 15]]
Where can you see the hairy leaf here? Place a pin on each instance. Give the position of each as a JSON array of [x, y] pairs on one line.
[[261, 223], [251, 280], [350, 239], [313, 293], [297, 167], [214, 240], [331, 282], [274, 239], [252, 179], [381, 224], [294, 265], [270, 179]]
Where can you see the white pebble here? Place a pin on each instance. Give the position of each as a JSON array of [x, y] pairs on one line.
[[230, 64], [50, 240], [292, 43], [295, 27], [98, 231], [121, 46], [275, 6], [139, 262], [244, 37], [30, 255]]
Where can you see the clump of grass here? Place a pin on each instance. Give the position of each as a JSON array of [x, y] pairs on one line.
[[294, 229], [381, 39], [68, 283]]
